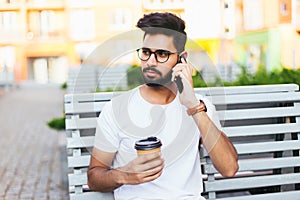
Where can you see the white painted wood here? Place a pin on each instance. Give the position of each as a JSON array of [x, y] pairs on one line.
[[82, 142], [92, 196], [77, 179], [247, 89], [292, 195], [259, 113], [264, 147], [254, 98], [76, 104], [251, 182], [81, 123], [256, 130], [260, 164], [82, 161]]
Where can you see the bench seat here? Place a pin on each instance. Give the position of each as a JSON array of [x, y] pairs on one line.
[[263, 122]]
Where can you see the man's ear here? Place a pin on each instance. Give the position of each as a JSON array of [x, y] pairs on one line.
[[184, 54]]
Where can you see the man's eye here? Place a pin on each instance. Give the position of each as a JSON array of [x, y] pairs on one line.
[[146, 52], [162, 54]]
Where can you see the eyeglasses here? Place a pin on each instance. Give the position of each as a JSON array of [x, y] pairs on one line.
[[160, 55]]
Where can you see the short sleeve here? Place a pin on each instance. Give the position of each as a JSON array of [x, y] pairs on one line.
[[106, 137], [211, 111]]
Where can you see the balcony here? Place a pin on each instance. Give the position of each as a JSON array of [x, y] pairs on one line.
[[6, 5], [80, 3], [37, 36], [11, 36], [45, 4], [163, 4]]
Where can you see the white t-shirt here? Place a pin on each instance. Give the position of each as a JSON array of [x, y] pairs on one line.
[[128, 118]]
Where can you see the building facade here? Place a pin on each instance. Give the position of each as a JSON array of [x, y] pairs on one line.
[[41, 40]]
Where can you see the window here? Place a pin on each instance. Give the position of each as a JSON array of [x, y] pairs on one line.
[[47, 21], [44, 24], [9, 1], [253, 14], [82, 22], [229, 19], [285, 15], [8, 21], [7, 58], [121, 19], [296, 15], [283, 8]]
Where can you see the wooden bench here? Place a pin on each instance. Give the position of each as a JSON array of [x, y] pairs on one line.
[[262, 121], [82, 79], [89, 77]]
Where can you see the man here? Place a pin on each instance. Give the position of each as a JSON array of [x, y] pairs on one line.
[[178, 118]]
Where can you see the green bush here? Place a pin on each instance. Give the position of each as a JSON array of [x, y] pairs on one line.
[[262, 77], [57, 123], [134, 76], [64, 85]]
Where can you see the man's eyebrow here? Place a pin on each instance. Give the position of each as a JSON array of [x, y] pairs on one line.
[[146, 48]]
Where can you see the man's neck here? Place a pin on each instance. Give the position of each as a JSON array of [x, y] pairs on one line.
[[159, 94]]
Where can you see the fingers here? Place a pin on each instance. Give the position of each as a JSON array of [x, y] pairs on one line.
[[143, 169], [182, 69], [149, 161]]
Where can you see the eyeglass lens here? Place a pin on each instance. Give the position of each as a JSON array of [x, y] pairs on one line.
[[160, 55]]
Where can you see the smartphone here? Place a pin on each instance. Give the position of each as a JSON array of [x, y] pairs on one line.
[[178, 80]]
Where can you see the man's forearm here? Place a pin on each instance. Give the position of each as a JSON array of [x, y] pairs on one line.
[[220, 149], [104, 180]]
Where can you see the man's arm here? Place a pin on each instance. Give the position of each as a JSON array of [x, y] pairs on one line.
[[104, 179], [220, 149], [100, 176]]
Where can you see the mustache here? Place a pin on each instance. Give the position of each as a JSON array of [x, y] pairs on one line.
[[152, 69]]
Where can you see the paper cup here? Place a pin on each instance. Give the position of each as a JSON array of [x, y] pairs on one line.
[[148, 145]]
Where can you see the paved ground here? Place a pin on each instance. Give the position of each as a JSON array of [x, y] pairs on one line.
[[30, 156]]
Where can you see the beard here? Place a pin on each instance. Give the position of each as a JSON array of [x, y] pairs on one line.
[[162, 81]]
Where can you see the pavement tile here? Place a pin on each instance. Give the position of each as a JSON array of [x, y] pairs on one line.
[[30, 164]]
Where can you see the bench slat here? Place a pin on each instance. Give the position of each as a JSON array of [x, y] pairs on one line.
[[263, 147], [255, 98], [90, 97], [92, 195], [251, 182], [84, 107], [258, 113], [237, 131], [291, 195], [81, 123], [77, 179], [82, 142], [255, 130], [260, 164], [82, 161], [249, 89]]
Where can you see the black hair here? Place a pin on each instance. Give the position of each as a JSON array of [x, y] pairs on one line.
[[167, 24]]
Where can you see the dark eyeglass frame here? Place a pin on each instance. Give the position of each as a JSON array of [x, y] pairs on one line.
[[156, 52]]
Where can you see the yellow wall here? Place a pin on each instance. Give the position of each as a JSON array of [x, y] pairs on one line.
[[290, 47]]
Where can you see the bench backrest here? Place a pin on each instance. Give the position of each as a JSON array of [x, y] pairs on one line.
[[262, 121]]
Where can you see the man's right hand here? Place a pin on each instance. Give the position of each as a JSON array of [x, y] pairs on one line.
[[143, 169]]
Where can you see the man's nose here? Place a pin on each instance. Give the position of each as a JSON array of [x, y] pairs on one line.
[[152, 60]]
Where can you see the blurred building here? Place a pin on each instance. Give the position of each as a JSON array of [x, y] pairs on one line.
[[268, 33], [41, 40]]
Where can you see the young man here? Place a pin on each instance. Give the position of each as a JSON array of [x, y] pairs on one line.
[[157, 108]]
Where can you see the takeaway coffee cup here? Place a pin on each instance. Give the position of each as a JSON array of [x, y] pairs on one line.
[[148, 145]]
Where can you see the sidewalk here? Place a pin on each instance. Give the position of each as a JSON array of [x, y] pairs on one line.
[[30, 162]]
